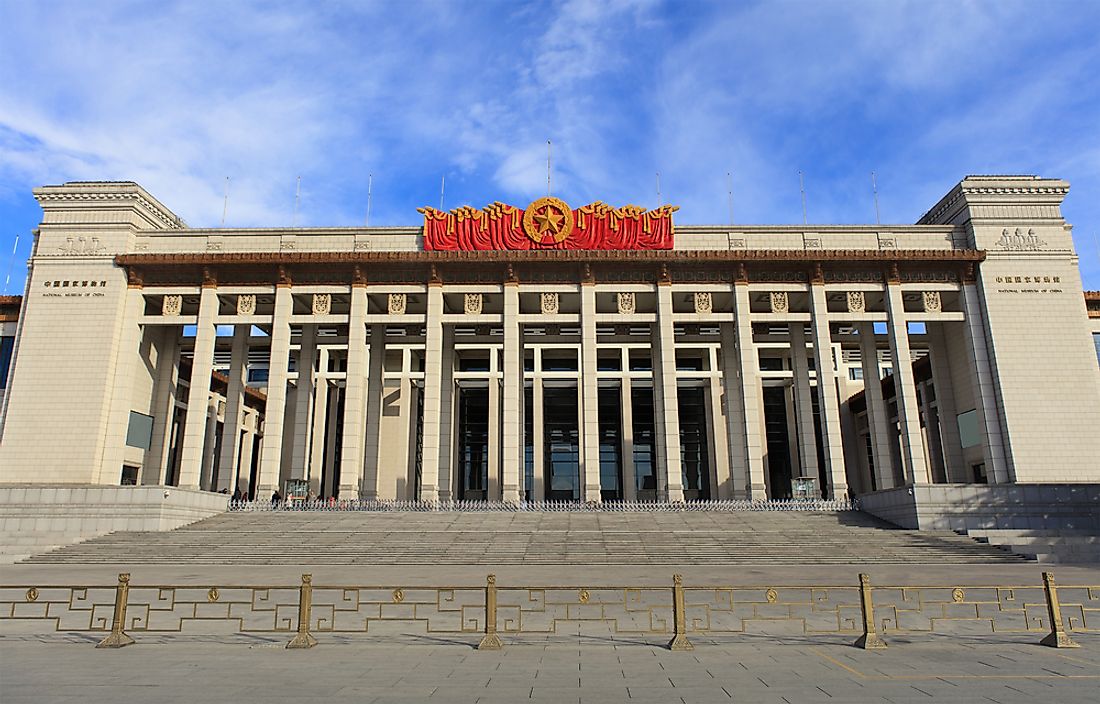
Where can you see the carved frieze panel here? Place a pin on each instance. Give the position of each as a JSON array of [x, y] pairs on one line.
[[627, 303], [736, 241], [857, 302], [853, 277], [932, 302], [171, 305], [246, 304], [1020, 241], [549, 303], [322, 303], [81, 247], [779, 302], [398, 303], [777, 276], [473, 303], [704, 305]]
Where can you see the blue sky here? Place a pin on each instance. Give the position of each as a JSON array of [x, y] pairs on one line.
[[177, 96]]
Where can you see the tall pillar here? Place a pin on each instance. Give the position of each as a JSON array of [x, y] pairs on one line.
[[630, 482], [666, 377], [164, 405], [194, 429], [243, 476], [433, 373], [538, 470], [720, 474], [447, 420], [369, 480], [750, 395], [912, 444], [828, 406], [512, 432], [303, 402], [210, 441], [590, 419], [271, 451], [954, 466], [985, 394], [803, 402], [352, 450], [234, 408], [878, 422], [317, 436]]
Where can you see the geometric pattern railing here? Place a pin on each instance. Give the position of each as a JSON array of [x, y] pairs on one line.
[[678, 612], [731, 505]]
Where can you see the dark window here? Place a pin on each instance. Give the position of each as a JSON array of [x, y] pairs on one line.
[[609, 362], [473, 365], [694, 459], [7, 344], [611, 466], [139, 433], [561, 446], [559, 362], [257, 375], [645, 472], [473, 433]]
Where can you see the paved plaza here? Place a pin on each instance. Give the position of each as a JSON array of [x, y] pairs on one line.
[[36, 670]]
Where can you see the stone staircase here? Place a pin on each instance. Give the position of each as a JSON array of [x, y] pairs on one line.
[[1053, 546], [536, 538]]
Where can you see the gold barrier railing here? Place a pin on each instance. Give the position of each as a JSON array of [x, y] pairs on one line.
[[681, 612]]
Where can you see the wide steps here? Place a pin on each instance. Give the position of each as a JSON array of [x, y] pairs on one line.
[[457, 538]]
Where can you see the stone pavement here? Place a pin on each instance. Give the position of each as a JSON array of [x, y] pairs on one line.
[[35, 670]]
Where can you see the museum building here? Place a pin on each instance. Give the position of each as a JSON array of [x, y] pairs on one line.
[[552, 352]]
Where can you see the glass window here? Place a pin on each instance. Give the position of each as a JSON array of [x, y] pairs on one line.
[[969, 434], [140, 431], [7, 344], [1095, 341], [855, 373]]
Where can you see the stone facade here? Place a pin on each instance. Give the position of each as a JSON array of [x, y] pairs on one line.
[[349, 362]]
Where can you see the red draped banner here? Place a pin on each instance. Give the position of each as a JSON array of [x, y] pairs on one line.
[[548, 223]]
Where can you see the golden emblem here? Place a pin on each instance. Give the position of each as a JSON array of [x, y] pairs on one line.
[[212, 595], [583, 596], [548, 221], [957, 595], [398, 596]]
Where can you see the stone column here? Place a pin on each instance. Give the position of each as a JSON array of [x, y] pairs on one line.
[[164, 405], [447, 419], [375, 385], [194, 429], [666, 377], [244, 466], [206, 478], [234, 408], [352, 450], [630, 482], [317, 437], [303, 402], [946, 410], [878, 422], [750, 395], [912, 444], [433, 373], [271, 450], [803, 402], [538, 471], [828, 406], [985, 393], [590, 419], [512, 452], [720, 476]]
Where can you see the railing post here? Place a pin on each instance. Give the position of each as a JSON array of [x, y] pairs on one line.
[[870, 639], [490, 641], [1058, 638], [117, 638], [305, 605], [679, 617]]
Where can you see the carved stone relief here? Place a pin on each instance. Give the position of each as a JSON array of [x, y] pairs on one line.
[[81, 247], [735, 241], [779, 302], [932, 302], [171, 305], [473, 303], [626, 303], [397, 303], [1020, 240], [322, 303], [549, 303], [246, 304], [857, 302], [703, 303]]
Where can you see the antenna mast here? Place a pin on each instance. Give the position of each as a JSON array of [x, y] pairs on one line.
[[442, 190], [225, 203], [874, 189], [729, 191], [370, 184], [297, 198], [802, 188], [549, 147], [659, 189], [11, 263]]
